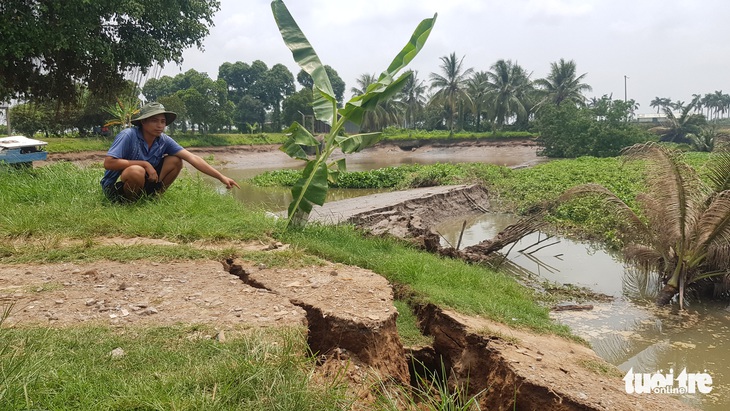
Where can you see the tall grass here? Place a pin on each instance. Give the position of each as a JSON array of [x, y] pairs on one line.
[[430, 393], [167, 368], [64, 200], [18, 367]]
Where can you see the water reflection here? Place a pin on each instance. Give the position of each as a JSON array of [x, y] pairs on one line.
[[629, 332]]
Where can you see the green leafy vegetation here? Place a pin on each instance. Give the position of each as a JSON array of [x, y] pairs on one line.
[[392, 133], [312, 188], [81, 144], [683, 227], [62, 200], [602, 130], [99, 42], [400, 177]]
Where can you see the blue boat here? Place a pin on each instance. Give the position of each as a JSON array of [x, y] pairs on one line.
[[20, 150]]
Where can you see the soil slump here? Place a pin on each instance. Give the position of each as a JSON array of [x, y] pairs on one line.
[[348, 311]]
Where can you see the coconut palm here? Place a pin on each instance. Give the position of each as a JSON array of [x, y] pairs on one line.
[[413, 99], [562, 84], [509, 85], [478, 88], [660, 102], [387, 111], [682, 128], [450, 86], [683, 230]]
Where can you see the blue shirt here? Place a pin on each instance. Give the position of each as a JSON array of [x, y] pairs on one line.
[[129, 144]]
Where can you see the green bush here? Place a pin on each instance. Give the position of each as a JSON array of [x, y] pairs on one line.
[[567, 131]]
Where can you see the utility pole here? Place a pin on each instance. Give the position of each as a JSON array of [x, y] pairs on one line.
[[626, 95]]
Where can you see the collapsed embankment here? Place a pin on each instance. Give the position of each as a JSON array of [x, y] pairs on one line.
[[503, 367]]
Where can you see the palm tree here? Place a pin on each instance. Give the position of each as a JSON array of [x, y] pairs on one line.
[[413, 98], [450, 86], [363, 82], [387, 111], [683, 230], [508, 84], [477, 87], [686, 125], [659, 103], [562, 84]]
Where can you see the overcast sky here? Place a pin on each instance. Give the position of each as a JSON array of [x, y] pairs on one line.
[[667, 48]]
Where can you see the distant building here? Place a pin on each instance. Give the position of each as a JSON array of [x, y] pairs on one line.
[[651, 118]]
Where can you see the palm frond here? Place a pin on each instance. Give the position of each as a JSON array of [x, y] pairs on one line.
[[714, 224], [673, 183], [645, 256], [718, 170]]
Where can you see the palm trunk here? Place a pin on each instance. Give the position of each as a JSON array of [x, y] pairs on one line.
[[674, 285], [666, 295]]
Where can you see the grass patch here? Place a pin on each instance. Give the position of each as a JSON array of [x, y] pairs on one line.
[[449, 283], [66, 201], [46, 287], [162, 368], [400, 177], [407, 324], [393, 133], [98, 143]]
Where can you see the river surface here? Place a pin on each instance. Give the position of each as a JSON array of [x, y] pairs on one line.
[[242, 166], [629, 332]]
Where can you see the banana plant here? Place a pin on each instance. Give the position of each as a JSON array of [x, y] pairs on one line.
[[312, 187]]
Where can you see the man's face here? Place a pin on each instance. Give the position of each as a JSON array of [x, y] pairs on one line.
[[155, 124]]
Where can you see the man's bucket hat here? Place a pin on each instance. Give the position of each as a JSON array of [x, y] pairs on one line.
[[153, 109]]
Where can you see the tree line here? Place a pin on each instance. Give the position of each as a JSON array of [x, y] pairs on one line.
[[252, 96]]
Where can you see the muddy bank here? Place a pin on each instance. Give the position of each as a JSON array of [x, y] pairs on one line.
[[505, 368]]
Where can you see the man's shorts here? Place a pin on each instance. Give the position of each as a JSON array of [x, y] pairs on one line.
[[115, 192]]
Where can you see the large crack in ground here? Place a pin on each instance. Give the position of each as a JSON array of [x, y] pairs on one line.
[[504, 368], [348, 312]]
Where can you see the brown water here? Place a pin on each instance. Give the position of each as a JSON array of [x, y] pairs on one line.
[[243, 166], [629, 332]]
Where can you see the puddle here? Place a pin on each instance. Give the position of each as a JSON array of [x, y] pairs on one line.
[[629, 332]]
